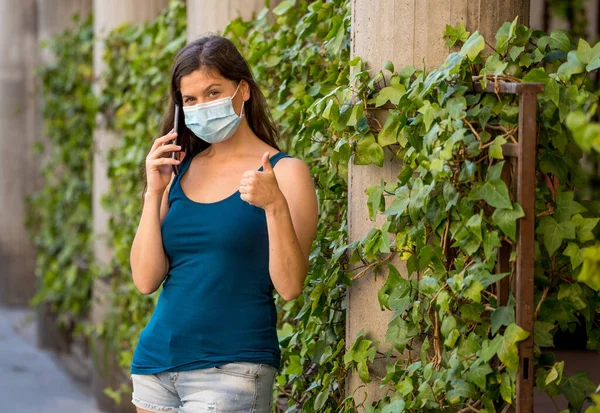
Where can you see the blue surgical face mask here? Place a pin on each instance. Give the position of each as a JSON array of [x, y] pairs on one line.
[[213, 121]]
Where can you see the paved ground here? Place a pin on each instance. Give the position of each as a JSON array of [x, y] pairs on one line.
[[31, 379]]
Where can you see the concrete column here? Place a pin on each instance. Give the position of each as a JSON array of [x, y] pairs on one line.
[[211, 16], [407, 33], [54, 16], [18, 168]]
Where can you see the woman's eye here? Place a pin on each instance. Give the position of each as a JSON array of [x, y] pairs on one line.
[[213, 93]]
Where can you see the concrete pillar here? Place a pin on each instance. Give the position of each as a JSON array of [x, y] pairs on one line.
[[212, 16], [18, 168], [407, 33], [54, 16]]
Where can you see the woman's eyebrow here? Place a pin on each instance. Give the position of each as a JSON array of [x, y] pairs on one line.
[[214, 84], [205, 90]]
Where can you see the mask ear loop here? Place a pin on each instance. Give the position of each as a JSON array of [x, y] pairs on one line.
[[243, 101]]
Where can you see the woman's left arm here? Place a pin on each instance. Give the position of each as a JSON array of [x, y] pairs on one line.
[[292, 225], [291, 207]]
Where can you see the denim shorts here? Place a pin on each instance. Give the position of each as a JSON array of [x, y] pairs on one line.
[[240, 387]]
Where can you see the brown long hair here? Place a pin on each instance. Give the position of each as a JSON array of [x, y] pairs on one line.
[[216, 53]]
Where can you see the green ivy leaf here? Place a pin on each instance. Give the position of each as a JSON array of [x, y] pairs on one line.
[[478, 375], [584, 227], [502, 316], [506, 220], [508, 353], [389, 133], [494, 66], [566, 207], [375, 200], [494, 192], [399, 203], [429, 112], [454, 35], [490, 348], [390, 93], [584, 52], [505, 35], [356, 114], [537, 75], [368, 151], [571, 67], [393, 279], [506, 390], [473, 46], [555, 233], [283, 7], [473, 292], [591, 268], [575, 389], [542, 335], [396, 406], [321, 399], [574, 253]]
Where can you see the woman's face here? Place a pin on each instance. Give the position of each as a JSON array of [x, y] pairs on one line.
[[201, 86]]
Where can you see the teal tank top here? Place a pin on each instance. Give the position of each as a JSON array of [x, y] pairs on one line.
[[216, 305]]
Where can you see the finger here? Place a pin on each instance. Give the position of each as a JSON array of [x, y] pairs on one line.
[[164, 148], [163, 161], [163, 139], [265, 162], [246, 188]]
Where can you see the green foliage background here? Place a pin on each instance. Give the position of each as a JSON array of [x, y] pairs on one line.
[[59, 215], [445, 214]]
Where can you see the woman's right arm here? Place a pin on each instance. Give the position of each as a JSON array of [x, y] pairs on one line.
[[149, 263]]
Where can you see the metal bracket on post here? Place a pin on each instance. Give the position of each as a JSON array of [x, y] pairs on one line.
[[525, 151]]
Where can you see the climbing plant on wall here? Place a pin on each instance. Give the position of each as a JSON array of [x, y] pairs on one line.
[[446, 213], [58, 215]]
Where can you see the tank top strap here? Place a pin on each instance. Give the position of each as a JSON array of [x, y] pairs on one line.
[[183, 166], [185, 163], [273, 159]]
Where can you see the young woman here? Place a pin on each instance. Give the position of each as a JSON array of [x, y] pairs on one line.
[[236, 222]]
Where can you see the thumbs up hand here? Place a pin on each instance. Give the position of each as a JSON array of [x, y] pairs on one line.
[[260, 188]]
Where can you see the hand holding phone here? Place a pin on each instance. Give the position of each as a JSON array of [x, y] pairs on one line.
[[176, 128]]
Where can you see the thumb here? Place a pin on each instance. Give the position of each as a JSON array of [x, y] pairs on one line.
[[265, 162]]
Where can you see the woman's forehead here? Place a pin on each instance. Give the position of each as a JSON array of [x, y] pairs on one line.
[[198, 80]]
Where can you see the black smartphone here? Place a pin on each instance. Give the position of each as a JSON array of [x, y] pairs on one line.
[[176, 127]]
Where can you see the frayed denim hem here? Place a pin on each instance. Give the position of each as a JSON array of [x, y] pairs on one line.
[[153, 407]]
